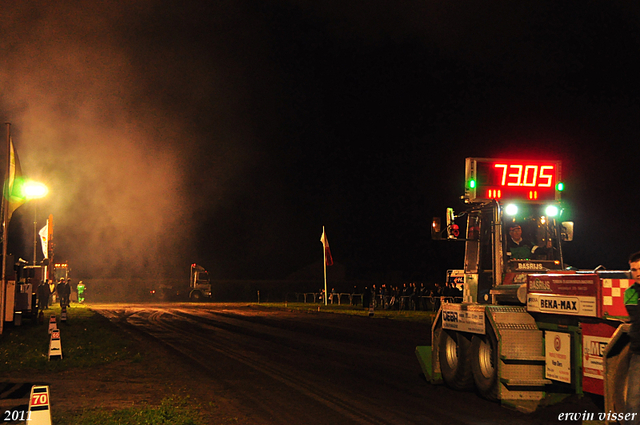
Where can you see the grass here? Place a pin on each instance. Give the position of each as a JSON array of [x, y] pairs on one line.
[[87, 339], [172, 410], [420, 316]]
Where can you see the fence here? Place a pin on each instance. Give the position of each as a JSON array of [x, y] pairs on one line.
[[408, 302]]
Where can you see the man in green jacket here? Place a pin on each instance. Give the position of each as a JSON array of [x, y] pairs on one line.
[[631, 297]]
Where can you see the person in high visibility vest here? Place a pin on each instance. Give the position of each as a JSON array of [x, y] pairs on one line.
[[80, 292]]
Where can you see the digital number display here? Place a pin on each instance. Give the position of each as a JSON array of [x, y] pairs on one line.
[[509, 179]]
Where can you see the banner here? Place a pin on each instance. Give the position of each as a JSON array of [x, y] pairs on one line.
[[44, 238], [14, 185]]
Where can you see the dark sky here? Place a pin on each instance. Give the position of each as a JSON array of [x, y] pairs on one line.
[[228, 133]]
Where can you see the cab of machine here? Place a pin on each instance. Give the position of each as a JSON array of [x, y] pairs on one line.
[[513, 223]]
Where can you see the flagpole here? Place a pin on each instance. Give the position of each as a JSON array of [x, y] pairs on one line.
[[50, 251], [324, 250], [5, 207]]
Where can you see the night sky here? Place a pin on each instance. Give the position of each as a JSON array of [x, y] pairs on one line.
[[228, 133]]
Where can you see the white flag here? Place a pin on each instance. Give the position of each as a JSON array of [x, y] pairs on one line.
[[44, 235]]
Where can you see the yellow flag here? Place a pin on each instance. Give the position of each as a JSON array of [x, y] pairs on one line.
[[14, 185]]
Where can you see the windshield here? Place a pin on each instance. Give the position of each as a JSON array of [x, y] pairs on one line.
[[531, 239]]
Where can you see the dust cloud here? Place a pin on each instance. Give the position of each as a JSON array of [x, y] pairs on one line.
[[107, 109]]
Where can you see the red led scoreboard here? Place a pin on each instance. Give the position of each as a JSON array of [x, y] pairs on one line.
[[512, 180]]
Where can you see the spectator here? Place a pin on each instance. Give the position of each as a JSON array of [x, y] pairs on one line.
[[66, 292], [60, 292], [366, 298], [43, 294]]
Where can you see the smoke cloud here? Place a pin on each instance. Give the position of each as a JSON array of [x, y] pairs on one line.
[[108, 109]]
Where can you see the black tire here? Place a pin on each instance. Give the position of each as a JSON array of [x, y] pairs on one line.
[[455, 361], [196, 296], [484, 363], [620, 381]]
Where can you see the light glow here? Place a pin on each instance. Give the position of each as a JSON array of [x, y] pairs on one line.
[[511, 209], [551, 211], [494, 194], [35, 190]]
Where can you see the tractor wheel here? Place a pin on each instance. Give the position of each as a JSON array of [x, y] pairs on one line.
[[484, 363], [620, 381], [455, 360]]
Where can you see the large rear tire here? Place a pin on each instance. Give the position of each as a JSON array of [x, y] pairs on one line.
[[484, 363], [620, 381], [455, 360]]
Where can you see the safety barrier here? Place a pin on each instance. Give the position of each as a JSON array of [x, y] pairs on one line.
[[405, 302], [333, 298]]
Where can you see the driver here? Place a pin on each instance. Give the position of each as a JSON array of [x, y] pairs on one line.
[[517, 247]]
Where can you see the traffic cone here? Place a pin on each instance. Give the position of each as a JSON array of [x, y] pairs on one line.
[[52, 323], [55, 346], [39, 408], [63, 316]]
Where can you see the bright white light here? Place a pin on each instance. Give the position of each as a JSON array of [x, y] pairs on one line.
[[35, 190], [511, 209], [551, 211]]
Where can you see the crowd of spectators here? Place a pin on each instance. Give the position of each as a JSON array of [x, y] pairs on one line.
[[409, 296]]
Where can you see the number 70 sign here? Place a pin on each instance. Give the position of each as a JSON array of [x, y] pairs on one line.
[[39, 400], [39, 412]]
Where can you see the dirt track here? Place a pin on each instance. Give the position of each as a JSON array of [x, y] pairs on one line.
[[264, 366]]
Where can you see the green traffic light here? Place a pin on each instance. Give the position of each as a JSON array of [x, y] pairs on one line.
[[472, 184], [560, 187]]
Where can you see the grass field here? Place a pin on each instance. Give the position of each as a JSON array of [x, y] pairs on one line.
[[173, 410], [88, 341]]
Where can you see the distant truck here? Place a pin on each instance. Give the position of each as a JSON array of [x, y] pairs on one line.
[[60, 271], [198, 289], [199, 283]]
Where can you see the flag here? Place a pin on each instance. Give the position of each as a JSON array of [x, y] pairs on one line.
[[44, 238], [327, 252], [14, 185]]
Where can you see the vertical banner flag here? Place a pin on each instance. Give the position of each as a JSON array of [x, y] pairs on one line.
[[44, 238], [327, 251], [13, 187]]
